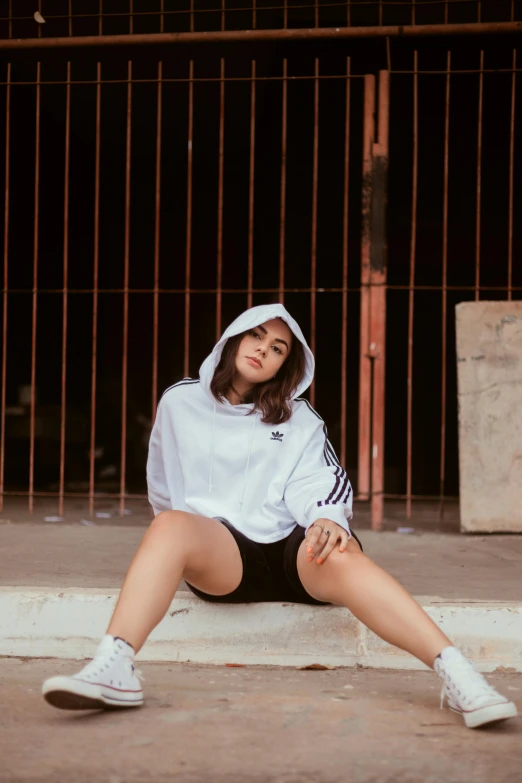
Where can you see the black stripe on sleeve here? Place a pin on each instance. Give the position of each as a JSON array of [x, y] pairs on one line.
[[336, 495], [184, 382]]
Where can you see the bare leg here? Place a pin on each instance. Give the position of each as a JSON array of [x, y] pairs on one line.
[[353, 580], [176, 545]]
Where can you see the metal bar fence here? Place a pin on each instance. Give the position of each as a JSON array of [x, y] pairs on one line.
[[34, 314], [65, 300], [378, 277], [311, 14], [444, 288], [344, 328], [5, 296], [411, 287], [365, 367], [291, 34], [372, 481]]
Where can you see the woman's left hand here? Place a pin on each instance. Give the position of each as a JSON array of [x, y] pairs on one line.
[[322, 538]]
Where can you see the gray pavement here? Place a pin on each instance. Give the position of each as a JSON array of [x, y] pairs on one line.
[[254, 725], [449, 565]]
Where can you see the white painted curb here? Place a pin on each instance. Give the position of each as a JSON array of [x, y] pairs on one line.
[[48, 622]]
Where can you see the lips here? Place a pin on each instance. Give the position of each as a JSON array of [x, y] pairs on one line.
[[255, 361]]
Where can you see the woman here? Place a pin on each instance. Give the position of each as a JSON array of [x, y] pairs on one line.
[[251, 504]]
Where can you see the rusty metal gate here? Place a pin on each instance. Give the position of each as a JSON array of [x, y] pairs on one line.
[[159, 198]]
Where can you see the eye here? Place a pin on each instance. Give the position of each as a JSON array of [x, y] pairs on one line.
[[275, 347], [254, 334]]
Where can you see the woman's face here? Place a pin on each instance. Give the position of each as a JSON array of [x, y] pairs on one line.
[[263, 350]]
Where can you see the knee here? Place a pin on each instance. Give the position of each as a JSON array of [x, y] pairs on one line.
[[346, 560], [167, 522]]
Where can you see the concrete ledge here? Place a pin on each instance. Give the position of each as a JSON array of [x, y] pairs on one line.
[[68, 623]]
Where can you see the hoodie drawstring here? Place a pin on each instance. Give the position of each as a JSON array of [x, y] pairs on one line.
[[248, 461], [213, 440], [212, 450]]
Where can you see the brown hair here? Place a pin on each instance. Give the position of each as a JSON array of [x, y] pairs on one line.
[[271, 397]]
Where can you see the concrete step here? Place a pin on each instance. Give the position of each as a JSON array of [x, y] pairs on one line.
[[68, 623]]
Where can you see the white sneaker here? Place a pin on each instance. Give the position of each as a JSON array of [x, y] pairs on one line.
[[109, 680], [468, 692]]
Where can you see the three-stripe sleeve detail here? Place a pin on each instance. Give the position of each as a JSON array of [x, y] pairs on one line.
[[342, 488], [184, 382]]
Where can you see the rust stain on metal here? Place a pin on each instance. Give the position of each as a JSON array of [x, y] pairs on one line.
[[309, 33]]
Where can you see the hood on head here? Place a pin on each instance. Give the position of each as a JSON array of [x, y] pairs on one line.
[[248, 320]]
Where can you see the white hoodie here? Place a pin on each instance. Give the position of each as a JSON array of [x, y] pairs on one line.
[[212, 458]]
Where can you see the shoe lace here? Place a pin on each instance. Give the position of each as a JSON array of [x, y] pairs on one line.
[[97, 665], [101, 662], [471, 676]]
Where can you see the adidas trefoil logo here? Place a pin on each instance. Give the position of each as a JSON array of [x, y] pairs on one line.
[[277, 436]]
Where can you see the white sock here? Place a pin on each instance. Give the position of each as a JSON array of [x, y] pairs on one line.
[[449, 654], [119, 638]]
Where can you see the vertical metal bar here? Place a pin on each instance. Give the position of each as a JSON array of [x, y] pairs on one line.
[[188, 243], [315, 167], [254, 15], [282, 208], [70, 26], [131, 18], [35, 291], [251, 184], [223, 21], [123, 463], [220, 199], [444, 291], [157, 219], [285, 14], [378, 275], [6, 275], [94, 350], [316, 16], [411, 292], [413, 12], [344, 331], [100, 18], [65, 295], [10, 20], [365, 368], [40, 12], [511, 177], [479, 179], [191, 16], [162, 16], [348, 16]]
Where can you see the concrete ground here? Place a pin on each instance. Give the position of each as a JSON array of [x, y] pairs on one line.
[[255, 725], [448, 565], [426, 516]]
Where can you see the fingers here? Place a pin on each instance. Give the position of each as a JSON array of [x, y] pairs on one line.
[[315, 541], [344, 540], [313, 536], [328, 547], [322, 541]]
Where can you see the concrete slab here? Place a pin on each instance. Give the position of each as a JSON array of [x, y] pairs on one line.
[[489, 356], [452, 566], [60, 584], [254, 725], [69, 623]]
